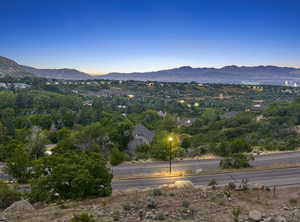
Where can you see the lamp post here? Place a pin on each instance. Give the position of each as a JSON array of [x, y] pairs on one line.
[[170, 139]]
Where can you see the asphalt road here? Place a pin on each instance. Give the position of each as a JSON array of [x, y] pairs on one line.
[[155, 167], [280, 177]]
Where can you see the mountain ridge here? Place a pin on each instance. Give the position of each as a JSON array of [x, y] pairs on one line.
[[232, 74]]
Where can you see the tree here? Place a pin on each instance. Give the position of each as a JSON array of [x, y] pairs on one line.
[[36, 146], [70, 175], [161, 147], [186, 142], [116, 156], [3, 133], [168, 123], [121, 133], [239, 146], [7, 99], [18, 165]]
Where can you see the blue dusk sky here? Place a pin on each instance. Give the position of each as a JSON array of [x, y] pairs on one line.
[[146, 35]]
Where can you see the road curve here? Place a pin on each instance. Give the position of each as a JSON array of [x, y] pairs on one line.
[[159, 166], [280, 177]]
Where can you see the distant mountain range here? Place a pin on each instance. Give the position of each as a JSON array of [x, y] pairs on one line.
[[11, 68], [272, 75]]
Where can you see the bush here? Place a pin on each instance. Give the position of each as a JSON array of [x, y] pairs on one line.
[[236, 161], [160, 216], [116, 157], [212, 182], [156, 192], [186, 204], [293, 201], [116, 215], [127, 206], [236, 214], [231, 186], [151, 202], [7, 195], [83, 218]]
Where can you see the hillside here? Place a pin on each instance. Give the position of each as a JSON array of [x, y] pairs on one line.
[[184, 204], [58, 73], [9, 67]]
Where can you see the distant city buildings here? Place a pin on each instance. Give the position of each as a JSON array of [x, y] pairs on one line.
[[290, 83], [15, 85]]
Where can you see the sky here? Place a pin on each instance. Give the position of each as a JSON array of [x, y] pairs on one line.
[[147, 35]]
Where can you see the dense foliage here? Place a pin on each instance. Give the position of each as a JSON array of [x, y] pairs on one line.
[[70, 175], [86, 124], [7, 195]]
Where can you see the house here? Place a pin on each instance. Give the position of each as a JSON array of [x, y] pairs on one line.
[[87, 103], [130, 96], [21, 85], [184, 121], [141, 136], [259, 118], [3, 85], [257, 108], [162, 114]]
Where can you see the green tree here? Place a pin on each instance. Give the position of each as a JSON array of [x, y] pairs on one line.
[[161, 146], [18, 165], [70, 175], [116, 156], [36, 145], [239, 146]]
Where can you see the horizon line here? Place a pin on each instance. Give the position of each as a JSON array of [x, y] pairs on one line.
[[167, 68]]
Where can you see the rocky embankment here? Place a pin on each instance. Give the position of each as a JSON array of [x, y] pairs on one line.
[[243, 202]]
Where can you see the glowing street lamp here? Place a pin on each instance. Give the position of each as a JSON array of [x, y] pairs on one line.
[[170, 139]]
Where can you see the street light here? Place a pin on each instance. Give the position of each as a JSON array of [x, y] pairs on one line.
[[170, 139]]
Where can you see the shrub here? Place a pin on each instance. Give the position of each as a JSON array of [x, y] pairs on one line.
[[7, 195], [186, 203], [236, 161], [151, 202], [293, 201], [161, 216], [236, 213], [116, 215], [116, 157], [231, 185], [127, 206], [172, 194], [83, 218], [212, 182], [156, 192]]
